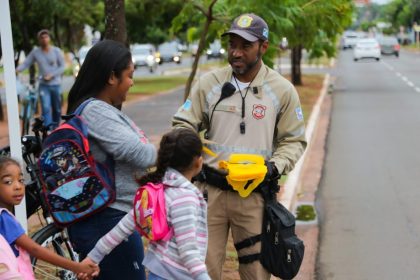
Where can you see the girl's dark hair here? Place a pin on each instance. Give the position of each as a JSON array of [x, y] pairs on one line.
[[4, 161], [103, 59], [177, 150]]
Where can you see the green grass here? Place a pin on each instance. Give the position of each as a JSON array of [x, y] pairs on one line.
[[305, 213], [148, 86], [412, 47]]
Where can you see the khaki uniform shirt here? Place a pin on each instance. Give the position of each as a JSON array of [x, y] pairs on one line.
[[273, 118]]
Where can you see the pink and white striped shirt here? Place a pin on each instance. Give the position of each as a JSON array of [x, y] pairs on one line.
[[181, 257]]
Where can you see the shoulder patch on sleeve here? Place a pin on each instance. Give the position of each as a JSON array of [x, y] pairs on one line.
[[299, 113], [187, 105]]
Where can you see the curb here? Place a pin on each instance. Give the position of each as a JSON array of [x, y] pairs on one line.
[[292, 184], [308, 232]]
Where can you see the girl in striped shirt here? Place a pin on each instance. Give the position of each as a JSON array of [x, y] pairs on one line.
[[183, 255]]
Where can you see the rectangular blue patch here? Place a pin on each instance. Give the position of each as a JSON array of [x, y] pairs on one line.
[[299, 113], [187, 105]]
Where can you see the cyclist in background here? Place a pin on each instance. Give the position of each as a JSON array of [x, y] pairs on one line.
[[50, 62]]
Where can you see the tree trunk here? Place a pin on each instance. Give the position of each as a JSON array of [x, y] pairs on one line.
[[26, 44], [196, 59], [115, 28], [57, 39], [209, 18], [296, 57]]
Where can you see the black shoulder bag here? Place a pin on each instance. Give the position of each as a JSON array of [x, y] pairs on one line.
[[281, 250]]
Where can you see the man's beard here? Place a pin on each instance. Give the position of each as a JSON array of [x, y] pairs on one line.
[[248, 66]]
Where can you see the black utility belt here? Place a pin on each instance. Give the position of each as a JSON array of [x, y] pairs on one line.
[[213, 177]]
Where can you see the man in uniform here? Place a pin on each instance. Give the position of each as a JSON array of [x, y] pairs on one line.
[[259, 112]]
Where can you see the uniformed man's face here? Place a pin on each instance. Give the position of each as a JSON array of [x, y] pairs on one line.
[[244, 55]]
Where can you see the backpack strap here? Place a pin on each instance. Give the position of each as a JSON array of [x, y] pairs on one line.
[[249, 258], [109, 161], [247, 242], [82, 106]]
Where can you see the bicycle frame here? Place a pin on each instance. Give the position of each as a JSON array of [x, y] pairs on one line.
[[29, 96]]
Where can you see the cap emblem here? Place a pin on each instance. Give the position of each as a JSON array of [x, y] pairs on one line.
[[244, 21]]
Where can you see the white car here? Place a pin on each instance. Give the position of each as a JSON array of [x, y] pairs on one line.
[[367, 48], [144, 55], [349, 39]]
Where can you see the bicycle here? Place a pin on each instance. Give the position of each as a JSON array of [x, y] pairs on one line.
[[28, 96], [49, 236]]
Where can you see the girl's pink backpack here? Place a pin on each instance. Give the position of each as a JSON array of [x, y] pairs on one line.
[[150, 212]]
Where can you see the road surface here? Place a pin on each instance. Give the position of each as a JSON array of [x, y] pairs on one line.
[[369, 197]]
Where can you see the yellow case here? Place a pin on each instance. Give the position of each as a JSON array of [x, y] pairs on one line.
[[243, 168]]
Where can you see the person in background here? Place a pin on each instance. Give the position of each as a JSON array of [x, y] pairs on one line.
[[106, 76], [51, 66], [245, 108]]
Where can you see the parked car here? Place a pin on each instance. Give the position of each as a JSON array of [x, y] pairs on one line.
[[215, 50], [389, 45], [350, 39], [144, 55], [168, 52], [367, 48]]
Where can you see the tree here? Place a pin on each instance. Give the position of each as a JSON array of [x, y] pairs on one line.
[[205, 13], [115, 28], [66, 26], [149, 21], [403, 13], [317, 26]]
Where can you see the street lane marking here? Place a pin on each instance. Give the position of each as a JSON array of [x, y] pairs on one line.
[[387, 65], [404, 78]]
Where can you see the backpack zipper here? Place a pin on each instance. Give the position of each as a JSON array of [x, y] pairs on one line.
[[289, 255]]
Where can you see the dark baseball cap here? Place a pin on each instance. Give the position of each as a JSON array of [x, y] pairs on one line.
[[250, 27], [42, 32]]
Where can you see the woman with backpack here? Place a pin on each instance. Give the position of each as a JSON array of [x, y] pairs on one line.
[[106, 76], [182, 255]]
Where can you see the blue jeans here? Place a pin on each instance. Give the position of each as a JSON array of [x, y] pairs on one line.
[[51, 104], [125, 261], [153, 276]]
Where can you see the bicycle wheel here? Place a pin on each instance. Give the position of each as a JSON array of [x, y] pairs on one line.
[[56, 239]]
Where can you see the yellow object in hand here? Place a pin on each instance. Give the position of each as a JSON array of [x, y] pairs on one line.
[[245, 172]]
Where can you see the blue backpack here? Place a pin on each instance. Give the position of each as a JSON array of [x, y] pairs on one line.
[[75, 186]]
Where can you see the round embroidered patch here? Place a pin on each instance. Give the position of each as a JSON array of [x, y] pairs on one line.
[[258, 112], [244, 21]]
